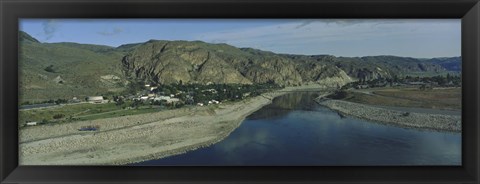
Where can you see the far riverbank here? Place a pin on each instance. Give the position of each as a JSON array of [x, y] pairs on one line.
[[402, 118]]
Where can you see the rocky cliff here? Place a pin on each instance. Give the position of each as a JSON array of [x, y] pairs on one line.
[[198, 62]]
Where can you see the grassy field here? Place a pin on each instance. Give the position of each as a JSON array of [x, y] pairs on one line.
[[447, 98], [88, 111], [80, 112]]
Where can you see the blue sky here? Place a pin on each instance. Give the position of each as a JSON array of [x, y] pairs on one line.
[[421, 38]]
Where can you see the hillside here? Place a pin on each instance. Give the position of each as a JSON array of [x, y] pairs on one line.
[[451, 63], [74, 70], [65, 70]]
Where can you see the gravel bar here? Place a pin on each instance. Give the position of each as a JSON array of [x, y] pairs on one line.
[[440, 122]]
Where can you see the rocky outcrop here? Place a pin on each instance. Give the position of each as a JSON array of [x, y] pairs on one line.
[[173, 62], [198, 62]]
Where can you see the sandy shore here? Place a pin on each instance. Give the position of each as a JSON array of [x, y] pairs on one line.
[[136, 138], [402, 118]]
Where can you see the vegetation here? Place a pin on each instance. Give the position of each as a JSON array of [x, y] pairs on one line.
[[58, 116], [198, 93], [49, 69], [405, 97], [448, 80], [79, 65], [341, 94]]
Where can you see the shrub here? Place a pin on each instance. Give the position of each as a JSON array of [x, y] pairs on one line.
[[49, 69], [58, 116], [338, 95]]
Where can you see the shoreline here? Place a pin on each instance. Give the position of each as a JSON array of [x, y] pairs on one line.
[[137, 138], [439, 122]]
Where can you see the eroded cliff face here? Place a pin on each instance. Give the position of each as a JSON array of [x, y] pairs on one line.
[[173, 62], [167, 62]]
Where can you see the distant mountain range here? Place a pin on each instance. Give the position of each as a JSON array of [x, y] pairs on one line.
[[64, 70]]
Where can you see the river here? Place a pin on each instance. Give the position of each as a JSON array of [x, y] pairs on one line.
[[294, 130]]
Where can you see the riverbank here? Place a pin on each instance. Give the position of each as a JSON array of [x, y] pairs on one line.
[[136, 138], [402, 118]]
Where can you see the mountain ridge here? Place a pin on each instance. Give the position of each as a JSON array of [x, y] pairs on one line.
[[88, 69]]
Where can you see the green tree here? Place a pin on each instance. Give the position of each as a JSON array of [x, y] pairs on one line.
[[135, 87]]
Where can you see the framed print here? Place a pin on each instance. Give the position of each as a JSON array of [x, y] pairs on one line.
[[224, 91]]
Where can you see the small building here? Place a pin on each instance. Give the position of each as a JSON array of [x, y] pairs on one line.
[[161, 98], [33, 123], [364, 86], [96, 99], [74, 100], [172, 100], [416, 83], [200, 104]]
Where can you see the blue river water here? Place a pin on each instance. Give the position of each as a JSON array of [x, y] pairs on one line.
[[294, 130]]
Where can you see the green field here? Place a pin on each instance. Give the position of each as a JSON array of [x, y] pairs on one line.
[[81, 112], [446, 98]]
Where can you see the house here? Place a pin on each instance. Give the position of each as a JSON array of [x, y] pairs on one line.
[[144, 98], [96, 99], [200, 104]]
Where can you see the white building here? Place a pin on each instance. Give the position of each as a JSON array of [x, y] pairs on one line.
[[32, 123], [96, 99], [161, 98], [171, 100]]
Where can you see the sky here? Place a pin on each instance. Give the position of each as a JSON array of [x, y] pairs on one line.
[[419, 38]]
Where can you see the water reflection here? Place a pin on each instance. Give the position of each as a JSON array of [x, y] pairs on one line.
[[293, 130]]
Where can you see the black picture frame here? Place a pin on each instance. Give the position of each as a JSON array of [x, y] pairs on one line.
[[11, 11]]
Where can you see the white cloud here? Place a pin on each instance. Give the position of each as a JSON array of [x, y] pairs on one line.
[[110, 32], [50, 28], [311, 33]]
